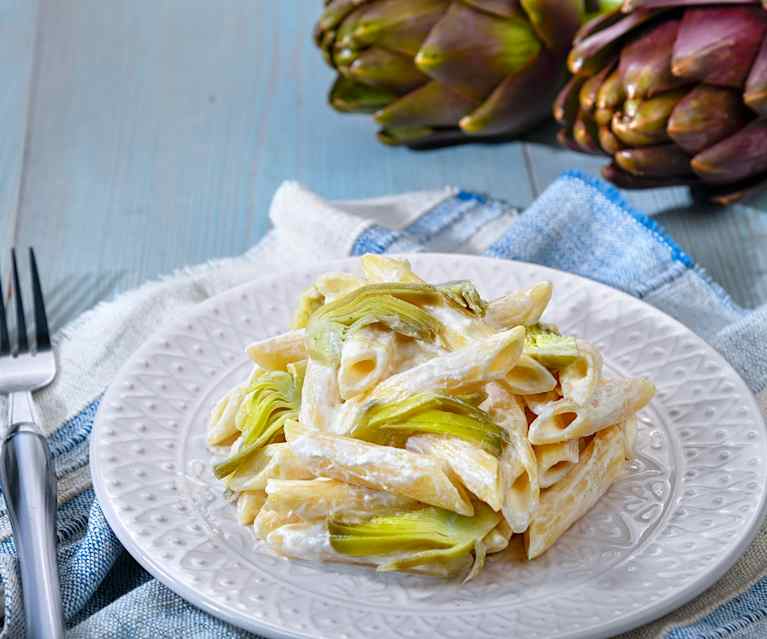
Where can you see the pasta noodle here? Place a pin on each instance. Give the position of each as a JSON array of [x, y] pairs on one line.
[[482, 361], [248, 506], [579, 380], [320, 397], [476, 469], [222, 426], [518, 466], [335, 285], [395, 470], [555, 461], [520, 308], [569, 499], [529, 377], [613, 402], [275, 353], [366, 358]]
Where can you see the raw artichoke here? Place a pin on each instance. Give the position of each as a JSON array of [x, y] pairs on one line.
[[675, 92], [435, 72]]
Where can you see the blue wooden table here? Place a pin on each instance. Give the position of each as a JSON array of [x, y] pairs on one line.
[[137, 136]]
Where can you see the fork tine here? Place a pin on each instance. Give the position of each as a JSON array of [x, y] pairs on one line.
[[42, 336], [21, 322], [5, 341]]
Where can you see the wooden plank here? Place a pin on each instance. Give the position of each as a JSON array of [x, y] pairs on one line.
[[18, 20], [161, 130], [729, 243]]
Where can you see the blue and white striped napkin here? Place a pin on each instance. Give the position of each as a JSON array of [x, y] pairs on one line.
[[578, 225]]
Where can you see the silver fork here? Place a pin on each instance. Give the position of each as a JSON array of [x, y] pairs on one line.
[[26, 469]]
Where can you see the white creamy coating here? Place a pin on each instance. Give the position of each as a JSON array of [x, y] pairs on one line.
[[319, 398], [459, 322], [304, 541], [395, 470], [366, 359], [348, 454], [410, 352], [477, 469]]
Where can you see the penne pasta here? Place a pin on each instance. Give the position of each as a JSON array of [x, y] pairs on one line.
[[334, 285], [612, 403], [380, 269], [555, 461], [409, 352], [302, 540], [248, 505], [568, 500], [538, 403], [475, 468], [366, 359], [308, 302], [498, 538], [630, 436], [292, 501], [320, 497], [275, 461], [521, 308], [481, 361], [529, 377], [222, 426], [518, 467], [395, 470], [275, 353], [320, 397], [579, 380], [460, 328]]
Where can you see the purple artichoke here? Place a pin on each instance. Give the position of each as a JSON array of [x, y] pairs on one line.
[[436, 72], [675, 92]]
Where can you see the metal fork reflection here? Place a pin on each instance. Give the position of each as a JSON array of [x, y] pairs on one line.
[[26, 468]]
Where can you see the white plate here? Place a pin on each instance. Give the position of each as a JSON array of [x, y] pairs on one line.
[[687, 508]]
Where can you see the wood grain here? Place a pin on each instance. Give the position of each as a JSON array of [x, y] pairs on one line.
[[18, 25], [159, 130]]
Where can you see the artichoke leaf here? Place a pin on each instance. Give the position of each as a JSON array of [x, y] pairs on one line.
[[429, 413], [464, 295], [429, 535], [547, 346], [386, 304], [272, 398]]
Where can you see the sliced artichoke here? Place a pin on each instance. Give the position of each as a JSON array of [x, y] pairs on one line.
[[272, 398], [465, 296], [551, 349], [428, 536], [390, 422], [393, 305]]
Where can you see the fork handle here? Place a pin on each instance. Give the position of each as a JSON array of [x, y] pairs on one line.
[[29, 485]]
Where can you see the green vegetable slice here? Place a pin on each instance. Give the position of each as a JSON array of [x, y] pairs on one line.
[[551, 349], [465, 296], [430, 413], [273, 398], [393, 305], [429, 535]]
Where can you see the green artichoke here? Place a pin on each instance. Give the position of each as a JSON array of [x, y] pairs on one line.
[[675, 92], [436, 72]]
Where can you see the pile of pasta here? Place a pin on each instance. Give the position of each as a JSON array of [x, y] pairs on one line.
[[417, 427]]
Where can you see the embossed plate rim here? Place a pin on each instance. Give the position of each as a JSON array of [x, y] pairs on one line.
[[128, 537]]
